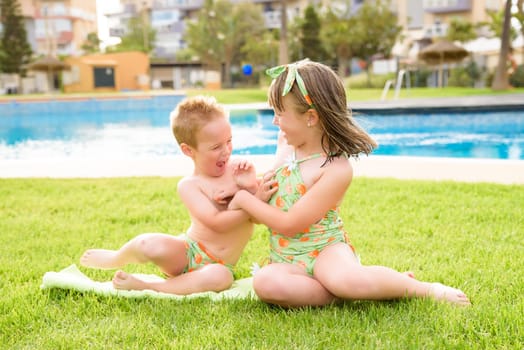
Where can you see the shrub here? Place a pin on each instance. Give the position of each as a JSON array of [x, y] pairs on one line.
[[517, 78], [464, 76], [360, 81]]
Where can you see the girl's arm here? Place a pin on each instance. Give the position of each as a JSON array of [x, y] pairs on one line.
[[207, 211], [323, 195]]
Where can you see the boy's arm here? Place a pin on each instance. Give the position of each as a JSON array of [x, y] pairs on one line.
[[208, 212], [244, 177]]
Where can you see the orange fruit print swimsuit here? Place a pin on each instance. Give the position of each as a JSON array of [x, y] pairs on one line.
[[304, 247]]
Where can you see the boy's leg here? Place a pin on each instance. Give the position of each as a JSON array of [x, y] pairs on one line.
[[339, 271], [289, 285], [166, 251], [212, 277]]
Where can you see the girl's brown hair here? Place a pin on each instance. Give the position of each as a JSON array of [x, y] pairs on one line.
[[341, 134]]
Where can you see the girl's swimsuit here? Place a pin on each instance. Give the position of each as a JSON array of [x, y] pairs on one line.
[[304, 247]]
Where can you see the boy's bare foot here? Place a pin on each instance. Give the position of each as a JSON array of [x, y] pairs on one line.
[[441, 292], [126, 281], [99, 258]]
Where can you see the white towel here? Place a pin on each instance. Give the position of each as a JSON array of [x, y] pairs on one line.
[[72, 278]]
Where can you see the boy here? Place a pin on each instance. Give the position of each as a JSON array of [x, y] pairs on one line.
[[203, 258]]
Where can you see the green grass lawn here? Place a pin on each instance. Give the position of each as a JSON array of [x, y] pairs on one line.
[[233, 96], [466, 235]]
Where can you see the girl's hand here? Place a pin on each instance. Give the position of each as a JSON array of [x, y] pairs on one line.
[[267, 187]]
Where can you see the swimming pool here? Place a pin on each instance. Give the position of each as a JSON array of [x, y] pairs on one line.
[[139, 128]]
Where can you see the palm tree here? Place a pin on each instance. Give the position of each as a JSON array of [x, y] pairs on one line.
[[283, 56], [501, 81]]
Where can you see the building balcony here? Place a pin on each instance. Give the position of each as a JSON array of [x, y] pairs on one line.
[[186, 5], [272, 19], [63, 12], [446, 6], [117, 31]]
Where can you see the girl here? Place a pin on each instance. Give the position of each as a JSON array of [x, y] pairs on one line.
[[312, 260]]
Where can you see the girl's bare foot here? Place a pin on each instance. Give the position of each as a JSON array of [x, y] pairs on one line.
[[99, 258], [441, 292], [126, 281], [409, 274]]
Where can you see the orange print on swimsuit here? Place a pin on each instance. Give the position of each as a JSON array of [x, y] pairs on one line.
[[198, 258], [290, 258], [302, 263], [279, 202], [301, 188], [304, 239], [314, 253], [319, 229], [286, 172], [331, 239], [283, 242], [306, 230]]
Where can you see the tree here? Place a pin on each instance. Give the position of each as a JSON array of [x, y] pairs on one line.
[[263, 51], [92, 43], [221, 31], [311, 43], [337, 33], [501, 79], [139, 37], [376, 31], [496, 24], [461, 30], [283, 54], [520, 18], [16, 49]]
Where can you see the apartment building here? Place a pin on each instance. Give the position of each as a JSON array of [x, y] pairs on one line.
[[420, 19], [425, 20], [167, 18], [58, 27]]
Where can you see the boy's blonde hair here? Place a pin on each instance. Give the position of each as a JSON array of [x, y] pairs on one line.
[[191, 114]]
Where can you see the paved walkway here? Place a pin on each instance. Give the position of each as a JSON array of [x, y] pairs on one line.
[[456, 169], [453, 169]]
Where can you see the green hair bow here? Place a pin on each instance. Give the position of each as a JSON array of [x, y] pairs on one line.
[[292, 76]]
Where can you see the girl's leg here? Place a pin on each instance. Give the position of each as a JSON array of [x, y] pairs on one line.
[[339, 272], [212, 277], [166, 251], [289, 286]]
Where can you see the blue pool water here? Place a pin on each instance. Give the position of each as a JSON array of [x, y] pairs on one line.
[[139, 128]]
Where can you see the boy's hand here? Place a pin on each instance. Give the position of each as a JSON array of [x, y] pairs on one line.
[[244, 175], [224, 196]]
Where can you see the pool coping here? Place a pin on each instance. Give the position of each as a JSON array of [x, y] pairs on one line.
[[499, 171], [503, 102]]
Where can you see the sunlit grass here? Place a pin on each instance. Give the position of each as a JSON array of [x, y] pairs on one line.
[[466, 235]]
